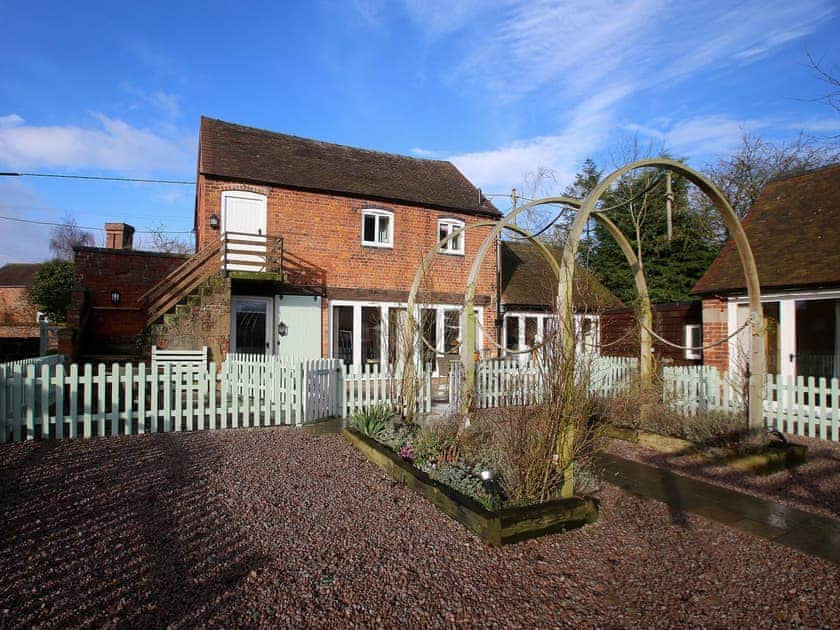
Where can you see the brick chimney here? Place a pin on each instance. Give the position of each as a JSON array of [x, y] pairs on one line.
[[119, 235]]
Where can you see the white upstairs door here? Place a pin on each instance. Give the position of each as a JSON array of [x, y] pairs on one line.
[[244, 227]]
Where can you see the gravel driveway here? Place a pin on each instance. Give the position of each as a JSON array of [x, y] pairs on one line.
[[275, 527]]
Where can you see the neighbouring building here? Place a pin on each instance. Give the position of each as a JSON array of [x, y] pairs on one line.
[[19, 330], [678, 322], [794, 232], [106, 315], [529, 291]]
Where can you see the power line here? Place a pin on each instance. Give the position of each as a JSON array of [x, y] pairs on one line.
[[82, 227], [100, 178]]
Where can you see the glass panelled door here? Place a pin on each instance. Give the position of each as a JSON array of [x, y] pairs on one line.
[[252, 325]]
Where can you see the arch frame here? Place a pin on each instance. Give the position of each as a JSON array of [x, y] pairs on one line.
[[756, 318]]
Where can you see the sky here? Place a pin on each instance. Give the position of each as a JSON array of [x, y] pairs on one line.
[[502, 89]]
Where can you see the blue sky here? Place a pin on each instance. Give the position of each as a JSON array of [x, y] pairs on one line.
[[499, 88]]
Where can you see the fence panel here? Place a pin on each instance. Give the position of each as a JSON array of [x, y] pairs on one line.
[[368, 385]]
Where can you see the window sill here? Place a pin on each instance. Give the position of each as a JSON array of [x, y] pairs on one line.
[[378, 245], [452, 253]]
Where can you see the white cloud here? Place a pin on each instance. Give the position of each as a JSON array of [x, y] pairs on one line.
[[12, 120], [436, 18], [425, 153], [699, 136], [499, 170], [113, 145]]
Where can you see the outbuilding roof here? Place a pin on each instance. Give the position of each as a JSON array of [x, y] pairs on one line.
[[237, 152], [528, 281], [794, 233], [18, 274]]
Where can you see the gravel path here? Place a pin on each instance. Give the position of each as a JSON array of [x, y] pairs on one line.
[[274, 527], [813, 486]]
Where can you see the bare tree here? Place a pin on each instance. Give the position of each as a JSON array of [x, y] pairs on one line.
[[830, 78], [162, 241], [66, 237], [742, 175]]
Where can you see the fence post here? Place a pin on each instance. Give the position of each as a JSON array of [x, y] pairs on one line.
[[342, 394], [301, 390]]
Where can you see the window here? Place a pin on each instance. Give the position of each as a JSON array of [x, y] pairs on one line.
[[343, 333], [377, 228], [512, 333], [371, 334], [693, 341], [451, 331], [429, 331], [366, 333], [454, 245]]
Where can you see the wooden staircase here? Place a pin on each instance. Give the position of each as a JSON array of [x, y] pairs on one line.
[[180, 282]]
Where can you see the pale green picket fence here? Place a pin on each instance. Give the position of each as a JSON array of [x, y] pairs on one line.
[[368, 385], [510, 382], [802, 406], [52, 401]]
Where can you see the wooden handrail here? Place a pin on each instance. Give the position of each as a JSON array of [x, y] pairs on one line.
[[185, 278], [181, 281], [193, 261]]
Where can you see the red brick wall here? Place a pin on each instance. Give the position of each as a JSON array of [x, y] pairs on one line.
[[323, 231], [715, 328], [15, 309], [620, 336], [132, 273]]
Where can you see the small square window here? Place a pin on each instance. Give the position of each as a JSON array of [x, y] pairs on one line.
[[377, 228], [454, 245]]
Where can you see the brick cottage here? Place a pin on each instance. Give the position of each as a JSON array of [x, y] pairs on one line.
[[304, 248]]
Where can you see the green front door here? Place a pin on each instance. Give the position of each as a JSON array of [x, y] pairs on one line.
[[298, 326]]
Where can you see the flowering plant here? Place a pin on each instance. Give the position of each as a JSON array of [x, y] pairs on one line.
[[406, 452]]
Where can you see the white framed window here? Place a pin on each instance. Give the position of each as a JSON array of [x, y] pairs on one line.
[[454, 245], [693, 341], [524, 330], [377, 228], [367, 332]]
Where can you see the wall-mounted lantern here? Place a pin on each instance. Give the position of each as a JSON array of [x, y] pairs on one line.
[[282, 329], [115, 297], [214, 221]]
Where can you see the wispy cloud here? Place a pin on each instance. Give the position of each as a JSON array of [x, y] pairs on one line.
[[111, 144], [499, 169], [426, 153], [566, 51], [12, 120], [702, 135]]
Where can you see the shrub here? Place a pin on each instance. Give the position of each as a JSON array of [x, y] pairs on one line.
[[372, 422], [649, 410], [52, 287], [437, 443]]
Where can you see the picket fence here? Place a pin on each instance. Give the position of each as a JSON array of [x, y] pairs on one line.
[[369, 385], [41, 399], [511, 382], [808, 407]]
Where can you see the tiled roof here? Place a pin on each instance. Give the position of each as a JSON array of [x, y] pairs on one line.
[[527, 280], [243, 153], [18, 274], [794, 232]]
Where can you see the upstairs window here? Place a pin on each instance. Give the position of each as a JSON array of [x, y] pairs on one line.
[[455, 245], [377, 228]]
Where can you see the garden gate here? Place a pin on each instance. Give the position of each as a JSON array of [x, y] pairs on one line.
[[321, 388]]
